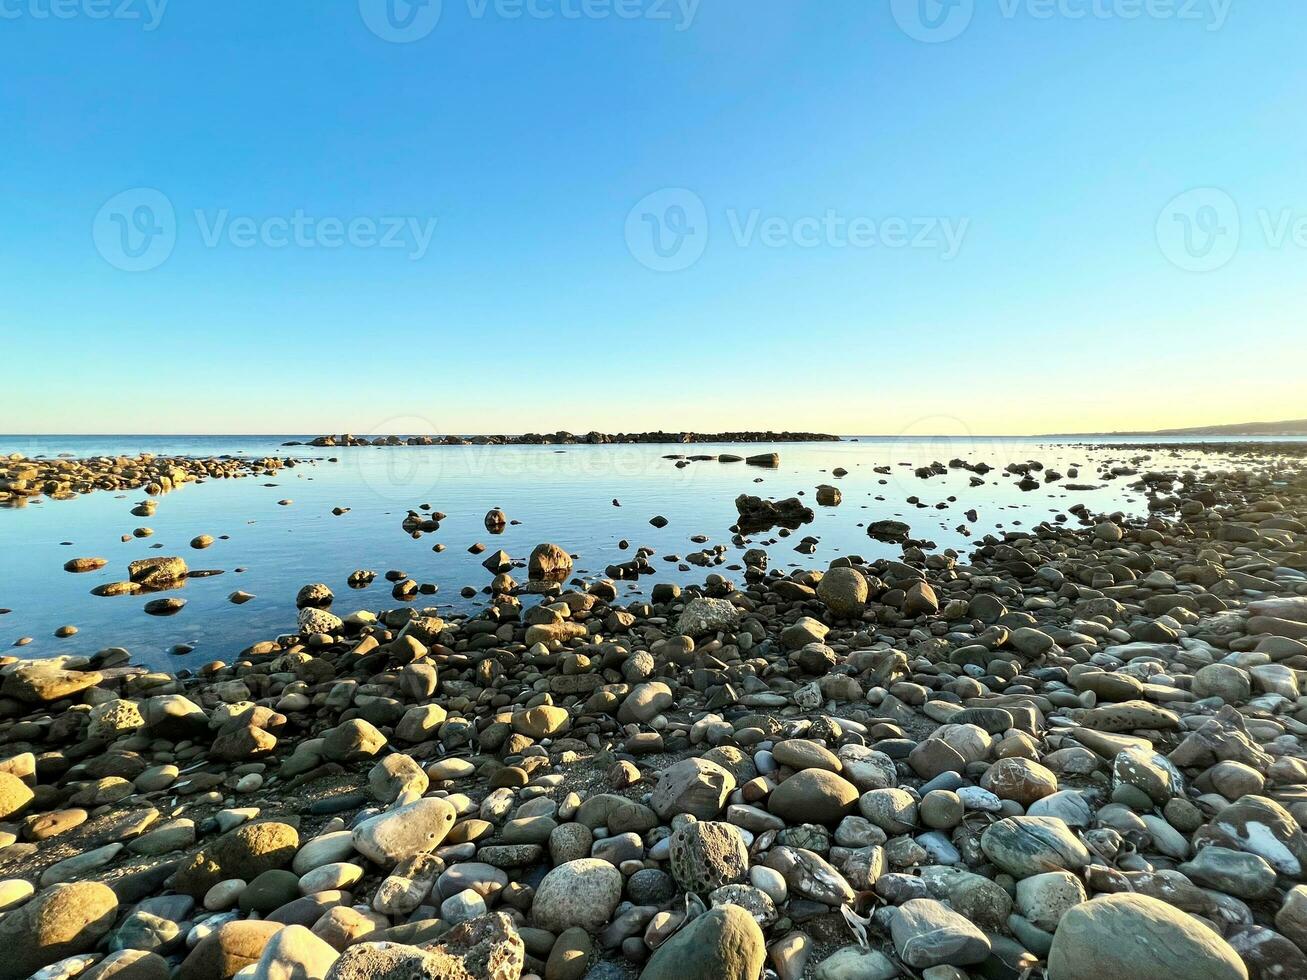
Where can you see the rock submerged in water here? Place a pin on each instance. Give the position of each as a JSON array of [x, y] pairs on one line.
[[157, 573]]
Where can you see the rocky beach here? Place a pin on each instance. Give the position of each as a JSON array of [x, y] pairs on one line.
[[1071, 749]]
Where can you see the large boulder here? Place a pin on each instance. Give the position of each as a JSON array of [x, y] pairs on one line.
[[41, 684], [162, 572], [548, 563], [1133, 937], [487, 947], [244, 853], [415, 828], [228, 949], [844, 591], [702, 615], [694, 786], [15, 796], [64, 920], [1026, 846], [708, 854], [725, 943], [579, 893]]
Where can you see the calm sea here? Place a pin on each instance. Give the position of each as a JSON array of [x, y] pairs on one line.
[[559, 494]]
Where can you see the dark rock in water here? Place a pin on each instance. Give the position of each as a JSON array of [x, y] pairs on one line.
[[757, 514], [771, 460], [893, 532]]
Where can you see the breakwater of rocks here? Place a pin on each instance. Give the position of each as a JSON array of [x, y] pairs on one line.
[[1077, 748], [570, 439]]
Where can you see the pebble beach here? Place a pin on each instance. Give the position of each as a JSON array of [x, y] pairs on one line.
[[1072, 748]]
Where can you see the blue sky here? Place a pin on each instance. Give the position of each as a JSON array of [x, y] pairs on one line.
[[1072, 215]]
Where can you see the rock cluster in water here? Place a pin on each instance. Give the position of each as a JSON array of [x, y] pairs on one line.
[[1078, 749], [61, 478]]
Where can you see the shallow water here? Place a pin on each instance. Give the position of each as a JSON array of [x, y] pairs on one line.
[[559, 494]]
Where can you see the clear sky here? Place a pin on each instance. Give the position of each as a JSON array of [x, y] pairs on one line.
[[994, 216]]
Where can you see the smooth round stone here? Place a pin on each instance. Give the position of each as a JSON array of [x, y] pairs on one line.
[[941, 809], [249, 783], [14, 892], [650, 886], [269, 891], [294, 952], [1044, 899], [323, 849], [580, 893], [892, 810], [224, 895], [1019, 780], [928, 933], [1025, 846], [1223, 681], [570, 956], [450, 769], [462, 906], [157, 778], [330, 877], [813, 796], [769, 881], [486, 880]]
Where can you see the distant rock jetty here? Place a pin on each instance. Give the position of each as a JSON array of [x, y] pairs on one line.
[[569, 439]]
